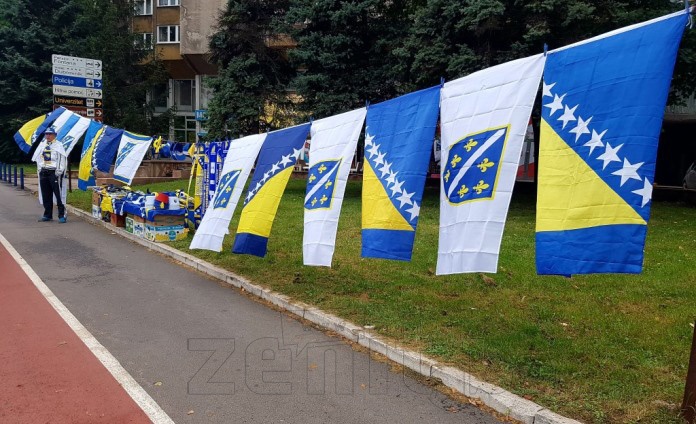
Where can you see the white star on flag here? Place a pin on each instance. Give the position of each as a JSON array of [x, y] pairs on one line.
[[368, 139], [380, 159], [396, 188], [258, 186], [405, 198], [266, 176], [414, 211], [296, 153], [275, 167], [568, 115], [547, 89], [392, 177], [386, 168], [595, 141], [645, 192], [286, 160], [629, 171], [373, 150], [581, 128], [556, 104], [609, 155]]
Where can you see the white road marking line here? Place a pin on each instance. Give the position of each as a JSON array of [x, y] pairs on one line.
[[136, 392]]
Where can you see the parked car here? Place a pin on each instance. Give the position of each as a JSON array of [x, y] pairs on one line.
[[690, 177]]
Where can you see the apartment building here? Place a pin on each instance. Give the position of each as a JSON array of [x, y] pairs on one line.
[[178, 31]]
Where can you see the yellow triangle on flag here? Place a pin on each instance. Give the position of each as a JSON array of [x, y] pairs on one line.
[[378, 210], [571, 194]]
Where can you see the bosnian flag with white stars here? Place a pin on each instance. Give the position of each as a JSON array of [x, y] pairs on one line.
[[398, 139], [235, 170], [603, 102], [484, 118], [273, 169], [331, 151]]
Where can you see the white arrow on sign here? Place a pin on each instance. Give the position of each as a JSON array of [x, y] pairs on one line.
[[93, 93]]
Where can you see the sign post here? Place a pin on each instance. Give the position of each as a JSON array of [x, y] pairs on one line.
[[77, 85]]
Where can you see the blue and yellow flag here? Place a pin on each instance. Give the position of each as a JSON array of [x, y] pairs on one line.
[[32, 130], [23, 136], [603, 104], [105, 149], [276, 161], [398, 140], [85, 176]]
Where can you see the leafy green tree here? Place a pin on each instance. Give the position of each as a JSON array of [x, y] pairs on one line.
[[345, 52], [252, 72], [28, 37]]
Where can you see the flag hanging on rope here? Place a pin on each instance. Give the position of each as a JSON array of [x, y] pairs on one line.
[[131, 151], [603, 104], [85, 176], [484, 121], [276, 162], [105, 148], [331, 152], [235, 170], [398, 138]]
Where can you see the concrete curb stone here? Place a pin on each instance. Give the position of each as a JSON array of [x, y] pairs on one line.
[[492, 396]]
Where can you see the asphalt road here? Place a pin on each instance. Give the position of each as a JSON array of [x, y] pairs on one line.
[[205, 352]]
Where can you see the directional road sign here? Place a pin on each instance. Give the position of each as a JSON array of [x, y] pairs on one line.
[[62, 90], [77, 85], [77, 101]]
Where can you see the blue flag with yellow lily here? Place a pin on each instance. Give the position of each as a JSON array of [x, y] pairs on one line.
[[398, 140], [273, 169], [602, 108]]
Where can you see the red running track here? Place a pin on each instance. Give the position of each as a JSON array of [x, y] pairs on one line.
[[47, 374]]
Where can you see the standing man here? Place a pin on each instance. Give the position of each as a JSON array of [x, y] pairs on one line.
[[51, 161]]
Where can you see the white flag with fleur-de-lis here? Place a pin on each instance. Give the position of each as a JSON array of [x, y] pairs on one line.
[[235, 171], [331, 152], [484, 118]]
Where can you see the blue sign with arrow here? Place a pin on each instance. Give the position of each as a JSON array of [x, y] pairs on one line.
[[77, 81]]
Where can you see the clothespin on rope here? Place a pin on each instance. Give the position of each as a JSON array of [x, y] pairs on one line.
[[367, 104], [442, 82], [546, 49]]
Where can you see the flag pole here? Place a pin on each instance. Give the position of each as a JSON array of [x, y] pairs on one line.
[[688, 408]]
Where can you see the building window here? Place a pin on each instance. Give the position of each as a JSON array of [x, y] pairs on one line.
[[185, 129], [143, 41], [162, 3], [184, 95], [143, 7], [168, 34], [160, 97]]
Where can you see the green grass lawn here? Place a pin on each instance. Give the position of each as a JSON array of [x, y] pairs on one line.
[[600, 348]]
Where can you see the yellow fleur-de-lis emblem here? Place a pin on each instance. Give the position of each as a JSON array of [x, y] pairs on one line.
[[314, 201], [455, 160], [223, 201], [447, 175], [228, 189], [483, 166], [463, 190], [470, 145], [322, 168], [323, 199], [328, 184], [480, 187], [312, 178]]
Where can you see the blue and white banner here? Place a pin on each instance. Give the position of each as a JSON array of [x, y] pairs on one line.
[[331, 152], [484, 121], [131, 152], [105, 148]]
